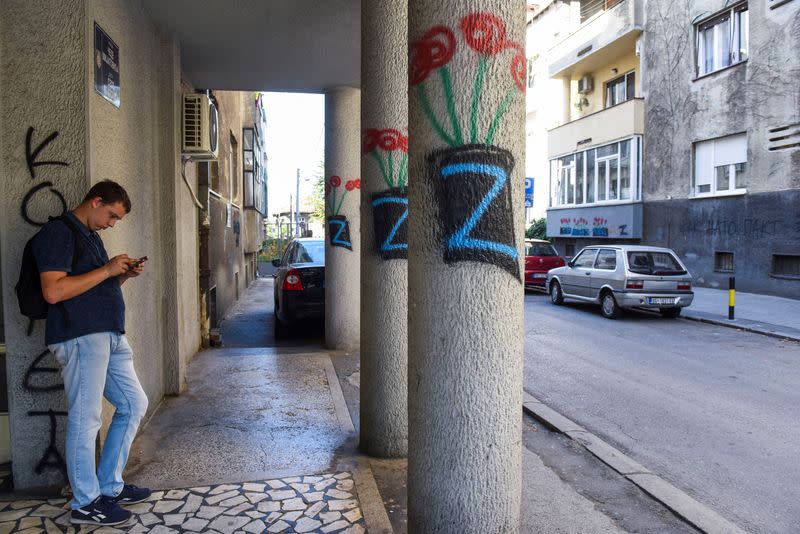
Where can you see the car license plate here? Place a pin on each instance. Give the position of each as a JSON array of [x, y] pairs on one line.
[[660, 300], [539, 275]]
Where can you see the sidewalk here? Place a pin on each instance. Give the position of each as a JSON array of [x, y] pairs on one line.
[[765, 314]]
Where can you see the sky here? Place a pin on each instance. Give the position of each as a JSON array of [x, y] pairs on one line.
[[295, 139]]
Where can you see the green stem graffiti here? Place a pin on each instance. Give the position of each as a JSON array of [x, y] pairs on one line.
[[499, 115], [402, 175], [377, 158], [426, 108], [476, 98], [444, 73], [341, 201], [391, 169]]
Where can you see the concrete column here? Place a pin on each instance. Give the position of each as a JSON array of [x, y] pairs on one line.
[[466, 198], [343, 218], [41, 42], [384, 216]]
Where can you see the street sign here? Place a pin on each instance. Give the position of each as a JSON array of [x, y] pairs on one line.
[[528, 192]]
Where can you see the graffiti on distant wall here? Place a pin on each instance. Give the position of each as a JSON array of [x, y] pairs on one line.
[[338, 225], [579, 227], [43, 377], [389, 149], [473, 189], [748, 227]]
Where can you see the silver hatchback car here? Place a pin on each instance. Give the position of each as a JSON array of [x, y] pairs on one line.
[[624, 276]]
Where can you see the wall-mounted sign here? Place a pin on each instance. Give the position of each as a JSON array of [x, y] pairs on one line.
[[106, 66], [528, 192]]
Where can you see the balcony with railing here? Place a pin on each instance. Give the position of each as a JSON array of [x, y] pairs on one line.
[[611, 124], [608, 28]]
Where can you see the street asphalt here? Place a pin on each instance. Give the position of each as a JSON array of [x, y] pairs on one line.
[[710, 409]]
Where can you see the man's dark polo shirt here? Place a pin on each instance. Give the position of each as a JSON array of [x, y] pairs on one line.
[[101, 309]]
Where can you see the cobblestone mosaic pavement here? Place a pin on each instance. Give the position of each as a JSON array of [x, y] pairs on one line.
[[317, 504]]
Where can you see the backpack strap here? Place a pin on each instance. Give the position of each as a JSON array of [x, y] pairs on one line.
[[80, 243]]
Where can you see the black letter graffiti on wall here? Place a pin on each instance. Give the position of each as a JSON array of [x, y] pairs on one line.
[[30, 157], [36, 377], [39, 377], [51, 457]]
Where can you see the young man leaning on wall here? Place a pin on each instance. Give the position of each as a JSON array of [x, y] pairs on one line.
[[85, 331]]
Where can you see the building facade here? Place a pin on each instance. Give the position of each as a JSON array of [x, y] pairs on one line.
[[680, 129]]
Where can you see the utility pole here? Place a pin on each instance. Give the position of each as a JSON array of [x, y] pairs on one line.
[[297, 208], [292, 216]]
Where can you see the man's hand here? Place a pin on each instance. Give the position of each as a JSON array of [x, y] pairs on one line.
[[118, 265], [132, 270]]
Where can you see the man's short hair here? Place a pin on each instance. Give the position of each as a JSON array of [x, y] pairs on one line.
[[109, 192]]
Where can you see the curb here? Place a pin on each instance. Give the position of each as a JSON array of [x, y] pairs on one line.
[[693, 512], [739, 326]]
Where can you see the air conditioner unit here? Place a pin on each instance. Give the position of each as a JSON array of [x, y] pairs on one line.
[[200, 127], [585, 85]]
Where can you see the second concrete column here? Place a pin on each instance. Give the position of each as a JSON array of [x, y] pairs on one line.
[[466, 131], [343, 218], [384, 217]]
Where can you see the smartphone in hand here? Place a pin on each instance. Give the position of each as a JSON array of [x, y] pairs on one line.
[[138, 262]]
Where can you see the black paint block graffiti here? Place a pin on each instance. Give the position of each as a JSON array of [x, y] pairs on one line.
[[51, 459], [390, 219], [475, 209], [339, 232], [31, 155], [40, 377]]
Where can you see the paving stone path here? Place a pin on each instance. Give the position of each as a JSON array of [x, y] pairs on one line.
[[317, 504]]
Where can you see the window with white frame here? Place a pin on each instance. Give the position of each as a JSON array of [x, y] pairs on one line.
[[720, 165], [531, 75], [608, 173], [620, 89], [723, 40]]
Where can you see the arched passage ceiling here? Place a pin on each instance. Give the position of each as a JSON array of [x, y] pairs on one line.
[[267, 45]]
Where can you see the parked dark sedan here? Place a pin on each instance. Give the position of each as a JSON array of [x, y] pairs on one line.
[[299, 284]]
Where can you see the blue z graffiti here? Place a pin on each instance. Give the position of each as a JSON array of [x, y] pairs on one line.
[[339, 232], [475, 206], [390, 216]]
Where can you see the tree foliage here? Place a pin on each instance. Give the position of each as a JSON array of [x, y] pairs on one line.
[[537, 230], [317, 200]]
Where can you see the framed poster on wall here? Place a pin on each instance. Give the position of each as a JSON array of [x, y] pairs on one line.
[[106, 66]]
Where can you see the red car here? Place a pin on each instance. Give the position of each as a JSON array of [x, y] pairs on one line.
[[540, 257]]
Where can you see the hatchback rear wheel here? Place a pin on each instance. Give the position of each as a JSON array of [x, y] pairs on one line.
[[609, 306], [556, 296]]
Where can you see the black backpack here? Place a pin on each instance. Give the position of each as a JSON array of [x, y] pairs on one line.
[[29, 286]]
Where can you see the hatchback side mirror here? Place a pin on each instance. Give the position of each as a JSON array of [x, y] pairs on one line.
[[276, 263]]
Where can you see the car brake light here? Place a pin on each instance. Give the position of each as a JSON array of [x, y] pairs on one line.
[[684, 286], [292, 281], [634, 284]]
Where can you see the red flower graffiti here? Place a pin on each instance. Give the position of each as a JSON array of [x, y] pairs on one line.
[[519, 67], [434, 50], [336, 181], [370, 141], [391, 139], [357, 183], [485, 33], [350, 185]]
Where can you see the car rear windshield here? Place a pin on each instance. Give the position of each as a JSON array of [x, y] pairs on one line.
[[540, 249], [310, 252], [655, 263]]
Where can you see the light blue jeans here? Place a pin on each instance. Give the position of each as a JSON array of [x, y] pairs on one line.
[[96, 366]]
